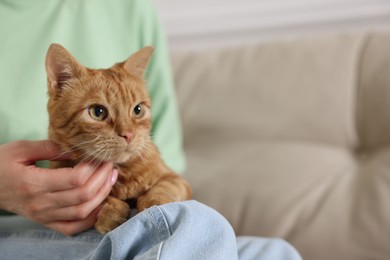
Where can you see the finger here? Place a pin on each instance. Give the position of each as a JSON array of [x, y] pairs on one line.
[[62, 179], [86, 192], [81, 211], [70, 228], [32, 151]]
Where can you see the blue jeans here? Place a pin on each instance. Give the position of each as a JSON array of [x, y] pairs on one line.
[[187, 230]]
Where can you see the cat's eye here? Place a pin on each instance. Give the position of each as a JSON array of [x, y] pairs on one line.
[[98, 112], [138, 111]]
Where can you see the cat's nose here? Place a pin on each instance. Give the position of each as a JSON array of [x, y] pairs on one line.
[[127, 136]]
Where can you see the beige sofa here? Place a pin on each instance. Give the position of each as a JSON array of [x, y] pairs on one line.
[[291, 139]]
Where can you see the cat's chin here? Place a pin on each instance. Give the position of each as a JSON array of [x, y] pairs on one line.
[[123, 157]]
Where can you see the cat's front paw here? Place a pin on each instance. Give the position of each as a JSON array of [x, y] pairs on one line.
[[150, 199], [113, 213]]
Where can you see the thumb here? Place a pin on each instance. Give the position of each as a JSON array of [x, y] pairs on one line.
[[32, 151]]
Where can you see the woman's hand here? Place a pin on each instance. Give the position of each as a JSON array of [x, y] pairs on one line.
[[65, 199]]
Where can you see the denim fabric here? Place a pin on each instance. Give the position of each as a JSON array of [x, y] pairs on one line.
[[187, 230]]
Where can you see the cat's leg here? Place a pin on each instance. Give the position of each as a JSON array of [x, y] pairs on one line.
[[169, 188], [113, 213]]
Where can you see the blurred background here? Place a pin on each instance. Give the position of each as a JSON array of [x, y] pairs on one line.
[[285, 107], [205, 23]]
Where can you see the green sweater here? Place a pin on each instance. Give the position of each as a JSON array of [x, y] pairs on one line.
[[98, 33]]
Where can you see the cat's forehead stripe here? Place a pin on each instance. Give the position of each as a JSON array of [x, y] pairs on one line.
[[116, 87], [121, 91], [113, 74]]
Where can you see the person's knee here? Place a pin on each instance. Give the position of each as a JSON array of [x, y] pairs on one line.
[[201, 229], [199, 216]]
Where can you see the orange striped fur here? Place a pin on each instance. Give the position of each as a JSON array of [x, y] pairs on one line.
[[104, 115]]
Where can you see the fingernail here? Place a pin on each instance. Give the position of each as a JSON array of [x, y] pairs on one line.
[[114, 176]]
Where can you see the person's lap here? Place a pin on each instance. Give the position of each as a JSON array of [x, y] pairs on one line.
[[187, 230]]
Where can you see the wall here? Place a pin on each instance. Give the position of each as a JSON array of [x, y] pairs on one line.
[[205, 23]]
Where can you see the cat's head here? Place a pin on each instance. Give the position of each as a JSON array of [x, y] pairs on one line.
[[98, 115]]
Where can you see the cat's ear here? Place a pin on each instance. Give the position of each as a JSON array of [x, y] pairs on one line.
[[60, 67], [138, 62]]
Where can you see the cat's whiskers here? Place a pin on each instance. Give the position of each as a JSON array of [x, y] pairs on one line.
[[109, 153], [142, 151], [93, 158], [99, 153], [90, 154], [85, 158], [73, 148], [96, 163]]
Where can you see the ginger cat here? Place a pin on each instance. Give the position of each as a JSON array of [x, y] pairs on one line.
[[104, 115]]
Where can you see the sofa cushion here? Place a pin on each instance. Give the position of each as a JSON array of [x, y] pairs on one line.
[[283, 139], [374, 93]]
